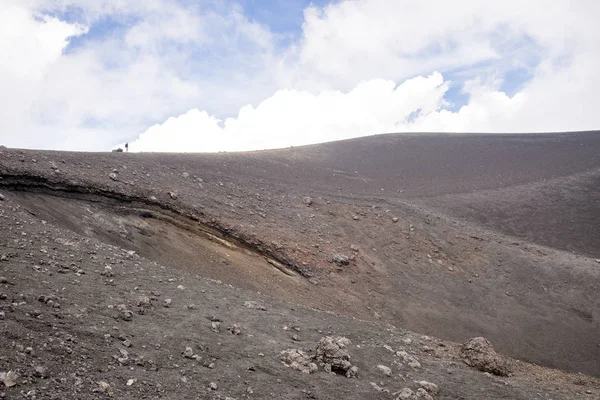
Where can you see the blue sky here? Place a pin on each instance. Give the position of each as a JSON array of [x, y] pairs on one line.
[[90, 74], [281, 16]]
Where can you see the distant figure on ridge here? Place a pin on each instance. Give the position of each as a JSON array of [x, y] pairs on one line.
[[126, 147]]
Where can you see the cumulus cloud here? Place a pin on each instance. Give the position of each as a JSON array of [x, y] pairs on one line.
[[291, 118], [161, 59]]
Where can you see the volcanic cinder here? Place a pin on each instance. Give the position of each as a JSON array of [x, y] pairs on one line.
[[227, 275]]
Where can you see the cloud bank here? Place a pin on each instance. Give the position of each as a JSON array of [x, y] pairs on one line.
[[167, 75]]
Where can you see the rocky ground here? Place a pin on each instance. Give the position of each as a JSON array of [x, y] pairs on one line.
[[253, 276]]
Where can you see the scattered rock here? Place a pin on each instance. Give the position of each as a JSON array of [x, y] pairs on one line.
[[113, 176], [40, 372], [235, 329], [379, 388], [2, 198], [298, 360], [429, 387], [185, 175], [354, 248], [308, 201], [422, 394], [255, 305], [105, 387], [406, 394], [188, 352], [126, 315], [340, 259], [9, 378], [167, 303], [173, 195], [479, 353], [387, 371], [216, 326], [213, 386], [124, 358], [410, 360], [394, 220], [144, 302]]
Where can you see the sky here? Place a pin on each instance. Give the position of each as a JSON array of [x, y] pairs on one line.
[[226, 75]]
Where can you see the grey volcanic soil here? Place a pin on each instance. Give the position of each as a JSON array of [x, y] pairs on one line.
[[446, 268]]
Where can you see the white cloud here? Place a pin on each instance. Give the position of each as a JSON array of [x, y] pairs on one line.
[[358, 67], [29, 47], [114, 86], [291, 118]]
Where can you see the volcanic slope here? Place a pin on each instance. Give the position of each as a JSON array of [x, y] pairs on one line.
[[424, 221]]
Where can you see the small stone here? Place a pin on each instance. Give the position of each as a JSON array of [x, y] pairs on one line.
[[181, 287], [354, 248], [431, 388], [124, 359], [255, 305], [188, 352], [2, 315], [410, 360], [127, 343], [113, 176], [352, 372], [167, 303], [10, 379], [405, 394], [2, 197], [387, 371], [185, 175], [235, 329], [308, 201], [216, 326], [340, 259], [298, 360], [394, 220], [355, 217], [104, 387], [40, 372], [422, 394], [126, 315], [131, 382], [213, 386], [144, 301]]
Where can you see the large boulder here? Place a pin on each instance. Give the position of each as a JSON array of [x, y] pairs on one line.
[[479, 353], [332, 353]]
